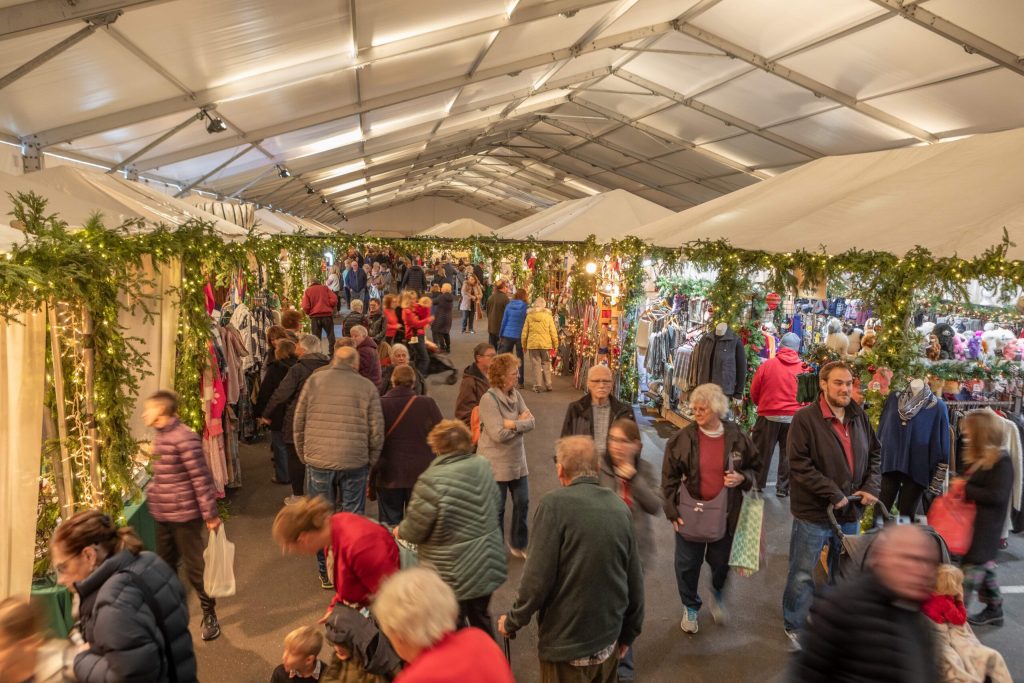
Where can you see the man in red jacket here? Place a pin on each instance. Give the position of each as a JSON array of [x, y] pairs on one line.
[[318, 303], [774, 391]]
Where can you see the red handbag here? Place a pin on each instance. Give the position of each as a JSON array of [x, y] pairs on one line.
[[952, 516]]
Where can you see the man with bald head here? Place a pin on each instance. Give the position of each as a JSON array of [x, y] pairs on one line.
[[872, 628], [594, 414], [339, 432]]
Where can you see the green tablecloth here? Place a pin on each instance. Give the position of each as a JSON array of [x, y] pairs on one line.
[[137, 515], [54, 602]]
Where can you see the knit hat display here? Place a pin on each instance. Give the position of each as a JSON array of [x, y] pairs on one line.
[[791, 341]]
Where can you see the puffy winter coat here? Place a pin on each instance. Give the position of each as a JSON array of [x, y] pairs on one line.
[[773, 388], [125, 641], [369, 361], [277, 370], [990, 490], [338, 421], [181, 489], [513, 319], [351, 320], [539, 330], [287, 392], [405, 454], [453, 517], [474, 386], [443, 303], [414, 279]]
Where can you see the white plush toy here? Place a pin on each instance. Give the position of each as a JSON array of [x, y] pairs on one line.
[[836, 340]]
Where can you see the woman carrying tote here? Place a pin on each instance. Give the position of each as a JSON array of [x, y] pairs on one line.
[[989, 481], [711, 461], [504, 419]]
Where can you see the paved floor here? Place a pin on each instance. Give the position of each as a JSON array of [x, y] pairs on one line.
[[277, 594]]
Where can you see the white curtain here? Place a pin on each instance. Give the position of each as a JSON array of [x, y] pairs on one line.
[[158, 335], [22, 386]]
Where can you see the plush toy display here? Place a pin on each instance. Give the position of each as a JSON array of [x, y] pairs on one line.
[[836, 340], [933, 350], [867, 342], [945, 335], [974, 351], [959, 347]]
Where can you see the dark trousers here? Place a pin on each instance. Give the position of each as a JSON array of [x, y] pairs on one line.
[[507, 345], [765, 435], [296, 471], [564, 672], [896, 485], [391, 505], [468, 317], [476, 612], [689, 558], [442, 339], [421, 356], [280, 452], [493, 339], [178, 542], [324, 323], [520, 491]]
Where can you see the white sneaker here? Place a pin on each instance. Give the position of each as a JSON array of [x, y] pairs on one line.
[[689, 621], [292, 500], [717, 609], [794, 641]]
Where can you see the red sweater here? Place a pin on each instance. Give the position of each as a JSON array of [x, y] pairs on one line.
[[319, 301], [467, 656], [773, 388], [712, 465], [415, 322], [392, 323], [364, 555]]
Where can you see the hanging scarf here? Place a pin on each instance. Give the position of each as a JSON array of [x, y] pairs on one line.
[[910, 404]]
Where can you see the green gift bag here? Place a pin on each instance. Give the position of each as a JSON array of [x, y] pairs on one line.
[[748, 542]]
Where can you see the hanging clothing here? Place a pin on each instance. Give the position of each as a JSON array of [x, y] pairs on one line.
[[242, 320], [914, 433]]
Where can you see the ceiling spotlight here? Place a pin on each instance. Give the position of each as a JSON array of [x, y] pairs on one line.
[[323, 200], [214, 125], [310, 190], [283, 172]]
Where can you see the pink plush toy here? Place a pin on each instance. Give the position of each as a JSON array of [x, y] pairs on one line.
[[959, 347]]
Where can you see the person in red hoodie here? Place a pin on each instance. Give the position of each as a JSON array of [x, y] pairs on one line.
[[417, 612], [319, 303], [416, 318], [364, 552], [773, 390]]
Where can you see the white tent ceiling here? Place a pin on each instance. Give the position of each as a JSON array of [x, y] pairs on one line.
[[955, 198], [607, 216], [462, 227], [511, 106]]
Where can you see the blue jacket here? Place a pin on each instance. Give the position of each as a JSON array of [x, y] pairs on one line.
[[514, 318], [356, 280], [917, 448]]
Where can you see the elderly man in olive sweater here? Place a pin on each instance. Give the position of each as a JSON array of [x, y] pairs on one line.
[[582, 574]]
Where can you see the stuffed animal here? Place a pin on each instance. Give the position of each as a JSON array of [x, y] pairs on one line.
[[945, 335], [959, 347], [974, 350], [1012, 350], [836, 340], [933, 350], [855, 335], [867, 342]]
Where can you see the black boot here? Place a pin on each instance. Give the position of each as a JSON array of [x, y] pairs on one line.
[[211, 627], [990, 616]]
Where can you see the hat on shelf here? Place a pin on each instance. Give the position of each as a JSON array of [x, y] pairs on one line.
[[791, 341]]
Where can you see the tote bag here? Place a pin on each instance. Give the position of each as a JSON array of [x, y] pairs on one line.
[[746, 556], [219, 573], [952, 517]]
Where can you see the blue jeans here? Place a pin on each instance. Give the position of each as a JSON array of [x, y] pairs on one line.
[[626, 672], [506, 345], [690, 555], [805, 544], [520, 509], [280, 452], [344, 490]]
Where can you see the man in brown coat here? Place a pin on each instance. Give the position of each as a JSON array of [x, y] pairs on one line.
[[474, 382]]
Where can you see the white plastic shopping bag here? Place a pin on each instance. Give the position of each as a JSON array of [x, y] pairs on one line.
[[219, 574]]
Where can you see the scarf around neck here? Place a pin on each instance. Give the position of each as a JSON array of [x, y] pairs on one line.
[[910, 404]]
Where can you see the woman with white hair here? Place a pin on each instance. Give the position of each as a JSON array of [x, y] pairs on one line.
[[540, 339], [400, 356], [707, 464], [417, 612]]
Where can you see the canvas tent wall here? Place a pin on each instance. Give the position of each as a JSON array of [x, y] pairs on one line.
[[607, 215], [461, 227], [952, 198]]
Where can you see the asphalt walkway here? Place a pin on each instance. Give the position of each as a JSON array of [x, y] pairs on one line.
[[277, 594]]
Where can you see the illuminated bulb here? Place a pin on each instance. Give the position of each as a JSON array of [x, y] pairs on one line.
[[647, 263], [591, 268]]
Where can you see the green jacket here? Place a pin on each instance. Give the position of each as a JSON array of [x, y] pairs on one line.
[[453, 517], [582, 575]]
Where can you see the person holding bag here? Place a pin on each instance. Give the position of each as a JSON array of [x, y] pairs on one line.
[[706, 468], [988, 485]]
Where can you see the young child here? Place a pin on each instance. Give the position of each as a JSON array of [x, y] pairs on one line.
[[24, 656], [180, 497], [963, 659], [361, 652], [300, 661]]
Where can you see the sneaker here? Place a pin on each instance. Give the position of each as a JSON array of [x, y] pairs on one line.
[[717, 609], [990, 616], [794, 641], [211, 627], [518, 552], [292, 500], [326, 583], [536, 390], [782, 494], [689, 622]]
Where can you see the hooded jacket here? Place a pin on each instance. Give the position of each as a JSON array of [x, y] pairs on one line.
[[369, 361], [338, 421], [513, 319], [539, 330], [773, 388], [453, 519], [474, 386], [287, 392], [181, 489], [125, 642], [363, 639], [722, 360]]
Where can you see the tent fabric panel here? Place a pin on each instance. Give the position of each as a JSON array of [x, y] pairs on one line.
[[632, 106], [423, 66], [686, 74], [689, 124], [751, 150], [647, 13], [521, 41], [384, 21], [842, 131], [764, 99], [292, 102], [200, 166], [1001, 26]]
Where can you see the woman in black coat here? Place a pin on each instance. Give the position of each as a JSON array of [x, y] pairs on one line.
[[444, 301], [284, 359], [989, 482], [408, 419], [132, 609]]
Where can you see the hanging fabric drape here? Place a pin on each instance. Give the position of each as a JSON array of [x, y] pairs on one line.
[[22, 388]]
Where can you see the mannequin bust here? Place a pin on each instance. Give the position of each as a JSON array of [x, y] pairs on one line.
[[720, 329], [916, 386]]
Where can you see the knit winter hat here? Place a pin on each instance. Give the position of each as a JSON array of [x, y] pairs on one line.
[[791, 341]]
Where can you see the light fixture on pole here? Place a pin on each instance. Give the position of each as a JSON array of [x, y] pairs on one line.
[[214, 125], [283, 172]]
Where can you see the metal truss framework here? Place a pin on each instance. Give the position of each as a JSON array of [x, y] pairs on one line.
[[509, 154]]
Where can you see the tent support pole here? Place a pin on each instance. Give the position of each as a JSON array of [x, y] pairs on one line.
[[68, 503]]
